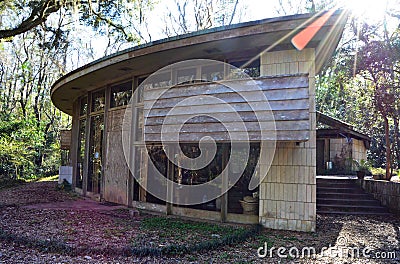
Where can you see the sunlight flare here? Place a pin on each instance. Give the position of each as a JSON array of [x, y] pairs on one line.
[[368, 10]]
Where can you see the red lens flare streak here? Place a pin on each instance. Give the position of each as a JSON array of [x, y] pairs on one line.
[[301, 40]]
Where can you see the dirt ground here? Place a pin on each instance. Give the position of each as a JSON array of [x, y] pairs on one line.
[[29, 229]]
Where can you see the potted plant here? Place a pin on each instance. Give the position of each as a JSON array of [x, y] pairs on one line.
[[362, 168]]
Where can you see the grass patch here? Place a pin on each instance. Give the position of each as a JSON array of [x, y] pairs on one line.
[[186, 237], [50, 178], [172, 236], [378, 171], [174, 225]]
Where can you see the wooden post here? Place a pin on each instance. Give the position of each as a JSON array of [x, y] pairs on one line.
[[87, 145], [326, 151], [105, 138], [170, 177], [224, 197], [75, 142], [132, 148]]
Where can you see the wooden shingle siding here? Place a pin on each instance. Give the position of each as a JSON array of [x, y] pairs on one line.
[[288, 98]]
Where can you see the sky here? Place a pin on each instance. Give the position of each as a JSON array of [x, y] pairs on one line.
[[367, 10]]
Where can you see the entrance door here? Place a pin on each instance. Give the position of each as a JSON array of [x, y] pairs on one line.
[[320, 156], [95, 154]]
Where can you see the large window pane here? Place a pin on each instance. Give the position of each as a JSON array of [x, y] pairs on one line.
[[98, 101], [95, 154], [81, 152]]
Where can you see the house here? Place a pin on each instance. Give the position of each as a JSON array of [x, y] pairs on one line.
[[251, 86], [340, 144]]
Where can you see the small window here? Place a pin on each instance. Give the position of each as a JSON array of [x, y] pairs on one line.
[[244, 69], [98, 101], [212, 73], [140, 89], [186, 76], [140, 124], [121, 94], [156, 80], [83, 106]]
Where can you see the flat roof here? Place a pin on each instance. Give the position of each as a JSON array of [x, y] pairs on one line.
[[234, 42]]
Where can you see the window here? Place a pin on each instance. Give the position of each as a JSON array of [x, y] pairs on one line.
[[140, 123], [244, 69], [121, 94], [156, 80], [98, 101], [83, 106], [81, 152], [95, 153], [212, 73], [186, 76]]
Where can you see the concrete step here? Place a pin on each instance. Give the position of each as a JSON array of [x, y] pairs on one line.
[[333, 195], [336, 181], [327, 184], [344, 196], [352, 213], [351, 208], [339, 190], [341, 201]]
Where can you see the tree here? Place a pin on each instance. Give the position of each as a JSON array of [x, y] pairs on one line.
[[20, 16], [38, 13], [377, 62], [188, 16]]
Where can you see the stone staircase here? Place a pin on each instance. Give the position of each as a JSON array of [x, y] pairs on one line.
[[344, 196]]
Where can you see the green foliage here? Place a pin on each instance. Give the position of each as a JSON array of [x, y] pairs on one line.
[[22, 143], [181, 225], [378, 171], [361, 87], [362, 165], [227, 235], [61, 247], [65, 186]]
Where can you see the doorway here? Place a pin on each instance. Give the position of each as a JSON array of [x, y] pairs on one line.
[[95, 154]]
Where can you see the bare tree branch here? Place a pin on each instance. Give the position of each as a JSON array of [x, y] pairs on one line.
[[38, 15]]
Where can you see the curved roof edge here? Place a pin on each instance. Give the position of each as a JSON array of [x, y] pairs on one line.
[[191, 34], [253, 35]]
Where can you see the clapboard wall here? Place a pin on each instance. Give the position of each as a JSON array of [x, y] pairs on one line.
[[240, 109]]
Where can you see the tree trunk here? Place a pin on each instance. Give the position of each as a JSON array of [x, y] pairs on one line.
[[388, 152], [397, 141]]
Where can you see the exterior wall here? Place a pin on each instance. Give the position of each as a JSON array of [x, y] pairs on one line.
[[116, 171], [388, 193], [359, 150], [288, 192], [343, 152], [339, 148]]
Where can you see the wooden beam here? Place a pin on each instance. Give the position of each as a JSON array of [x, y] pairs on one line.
[[170, 177], [132, 148], [107, 96], [75, 142], [87, 145], [225, 175]]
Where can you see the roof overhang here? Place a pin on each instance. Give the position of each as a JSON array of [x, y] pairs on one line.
[[338, 129], [239, 41]]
